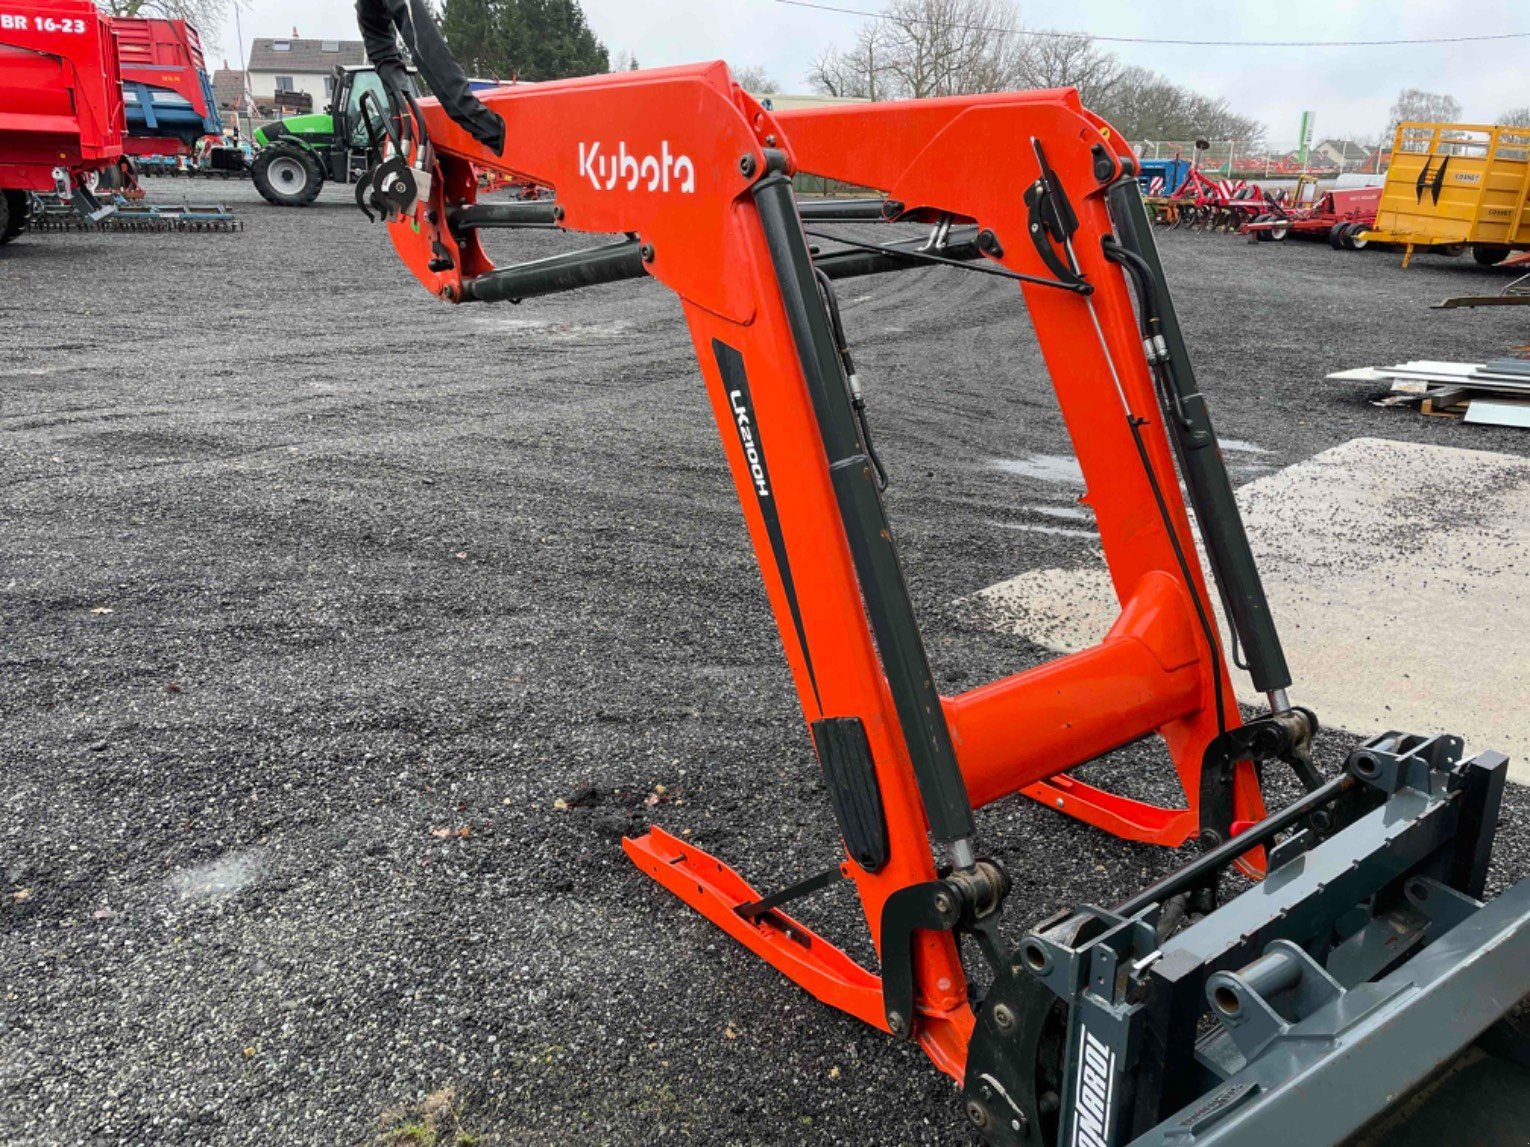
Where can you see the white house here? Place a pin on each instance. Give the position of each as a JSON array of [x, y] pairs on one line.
[[294, 65]]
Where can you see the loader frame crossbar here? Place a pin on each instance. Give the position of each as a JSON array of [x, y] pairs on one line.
[[1028, 186]]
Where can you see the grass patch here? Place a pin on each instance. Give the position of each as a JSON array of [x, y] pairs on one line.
[[436, 1121]]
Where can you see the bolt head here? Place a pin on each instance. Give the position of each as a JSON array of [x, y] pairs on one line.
[[746, 164], [645, 252], [1003, 1017], [977, 1113], [896, 1023], [942, 903]]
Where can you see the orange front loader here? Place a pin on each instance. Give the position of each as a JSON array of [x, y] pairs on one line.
[[1028, 187], [697, 174]]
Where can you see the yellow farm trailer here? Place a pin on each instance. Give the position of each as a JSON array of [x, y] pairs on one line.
[[1451, 186]]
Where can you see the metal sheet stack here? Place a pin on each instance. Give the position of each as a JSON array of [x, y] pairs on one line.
[[1496, 393]]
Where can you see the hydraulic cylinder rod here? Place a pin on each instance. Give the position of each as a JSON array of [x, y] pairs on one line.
[[468, 216], [609, 264], [840, 210], [889, 610], [1200, 459]]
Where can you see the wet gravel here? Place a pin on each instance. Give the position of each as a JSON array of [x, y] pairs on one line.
[[346, 633]]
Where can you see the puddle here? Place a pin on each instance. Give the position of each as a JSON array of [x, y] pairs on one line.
[[1238, 446], [1038, 528], [1071, 513], [219, 879], [1046, 467]]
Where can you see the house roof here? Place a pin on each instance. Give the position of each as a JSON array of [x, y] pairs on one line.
[[1349, 149], [228, 87], [290, 55]]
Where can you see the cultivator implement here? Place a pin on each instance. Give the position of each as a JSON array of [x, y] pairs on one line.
[[1296, 1011], [51, 213], [1203, 204]]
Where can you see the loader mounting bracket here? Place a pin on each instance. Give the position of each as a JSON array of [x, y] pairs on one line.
[[1283, 736], [962, 903]]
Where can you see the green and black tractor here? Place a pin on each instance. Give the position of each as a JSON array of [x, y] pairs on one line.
[[299, 153]]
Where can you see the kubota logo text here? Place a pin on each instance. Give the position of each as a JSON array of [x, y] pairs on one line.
[[663, 172]]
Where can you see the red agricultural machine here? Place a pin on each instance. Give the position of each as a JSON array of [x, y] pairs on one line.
[[1296, 1011], [1204, 204], [167, 94], [1340, 215], [60, 103], [64, 115]]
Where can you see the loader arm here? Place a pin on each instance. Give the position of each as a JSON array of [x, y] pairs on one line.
[[695, 175]]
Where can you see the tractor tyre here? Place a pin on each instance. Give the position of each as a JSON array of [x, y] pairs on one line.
[[1336, 236], [287, 175], [1352, 239], [1278, 234], [1489, 254], [15, 214]]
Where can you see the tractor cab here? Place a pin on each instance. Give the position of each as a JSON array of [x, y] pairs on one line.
[[352, 131], [298, 153]]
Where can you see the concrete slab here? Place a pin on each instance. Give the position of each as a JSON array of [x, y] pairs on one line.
[[1398, 573]]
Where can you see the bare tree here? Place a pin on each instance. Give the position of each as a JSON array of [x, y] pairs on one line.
[[624, 61], [1515, 117], [206, 16], [858, 72], [755, 80], [924, 48], [1141, 104], [1068, 61], [1417, 106]]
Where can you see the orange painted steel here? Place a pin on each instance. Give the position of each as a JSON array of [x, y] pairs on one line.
[[671, 156], [1024, 729]]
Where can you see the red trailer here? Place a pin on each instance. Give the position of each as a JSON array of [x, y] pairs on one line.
[[63, 114], [1340, 215], [60, 100], [167, 95]]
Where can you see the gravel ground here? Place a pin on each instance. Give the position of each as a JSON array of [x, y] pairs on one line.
[[320, 595]]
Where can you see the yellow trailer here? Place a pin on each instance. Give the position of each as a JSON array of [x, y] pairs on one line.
[[1454, 185]]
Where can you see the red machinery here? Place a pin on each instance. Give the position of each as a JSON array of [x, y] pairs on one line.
[[168, 96], [63, 115], [1339, 215], [60, 99], [1201, 203]]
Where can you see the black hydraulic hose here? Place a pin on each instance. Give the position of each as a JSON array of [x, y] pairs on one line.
[[1148, 320], [852, 380], [366, 103], [416, 25], [1201, 465], [1202, 614]]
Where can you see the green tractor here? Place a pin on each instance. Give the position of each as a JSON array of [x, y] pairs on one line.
[[299, 153]]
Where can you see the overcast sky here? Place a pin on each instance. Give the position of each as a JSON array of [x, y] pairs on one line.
[[1349, 88]]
